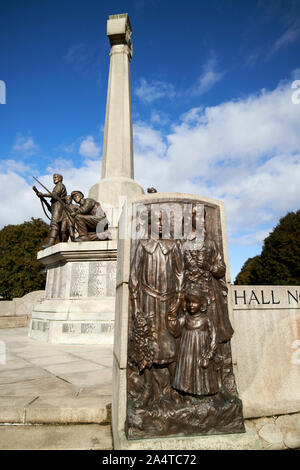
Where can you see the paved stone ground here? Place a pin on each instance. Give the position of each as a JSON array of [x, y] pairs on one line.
[[51, 385], [59, 396]]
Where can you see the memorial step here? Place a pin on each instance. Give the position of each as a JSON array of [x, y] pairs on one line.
[[47, 437], [55, 410]]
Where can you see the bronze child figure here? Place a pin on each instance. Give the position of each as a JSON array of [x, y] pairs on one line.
[[196, 370]]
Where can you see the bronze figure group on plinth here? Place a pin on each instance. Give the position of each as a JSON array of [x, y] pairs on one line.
[[86, 216], [180, 378]]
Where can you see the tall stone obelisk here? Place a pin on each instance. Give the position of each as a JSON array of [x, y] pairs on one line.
[[117, 178]]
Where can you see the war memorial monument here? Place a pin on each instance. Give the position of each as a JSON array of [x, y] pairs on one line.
[[193, 355]]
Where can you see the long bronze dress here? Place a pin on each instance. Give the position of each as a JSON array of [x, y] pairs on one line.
[[155, 283], [197, 342]]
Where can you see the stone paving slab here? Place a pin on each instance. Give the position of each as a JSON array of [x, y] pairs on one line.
[[73, 368], [50, 360], [21, 375], [13, 362], [53, 384], [102, 376], [43, 437], [95, 390], [45, 386]]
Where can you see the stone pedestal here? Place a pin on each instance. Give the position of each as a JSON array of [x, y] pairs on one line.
[[122, 375], [79, 303], [112, 193]]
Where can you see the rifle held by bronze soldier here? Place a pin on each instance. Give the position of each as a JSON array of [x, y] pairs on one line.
[[68, 211], [43, 201]]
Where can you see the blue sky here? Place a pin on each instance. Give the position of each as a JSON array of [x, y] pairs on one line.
[[212, 103]]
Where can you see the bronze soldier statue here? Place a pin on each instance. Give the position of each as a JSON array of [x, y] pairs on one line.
[[68, 223], [56, 207], [90, 219]]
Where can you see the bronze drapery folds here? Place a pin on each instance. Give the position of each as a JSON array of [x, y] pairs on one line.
[[180, 378]]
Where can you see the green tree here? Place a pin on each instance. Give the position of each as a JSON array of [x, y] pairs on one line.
[[20, 271], [246, 275], [279, 261]]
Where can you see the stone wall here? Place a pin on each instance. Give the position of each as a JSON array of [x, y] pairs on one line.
[[277, 432], [21, 305], [266, 348], [16, 313]]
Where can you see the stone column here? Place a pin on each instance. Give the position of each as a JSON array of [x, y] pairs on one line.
[[117, 159]]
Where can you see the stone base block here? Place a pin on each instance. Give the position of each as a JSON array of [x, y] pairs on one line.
[[72, 332], [246, 441], [79, 303]]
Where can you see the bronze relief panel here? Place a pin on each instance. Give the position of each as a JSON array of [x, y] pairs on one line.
[[180, 378]]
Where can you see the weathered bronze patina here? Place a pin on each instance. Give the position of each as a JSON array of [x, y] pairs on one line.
[[68, 222], [56, 207], [87, 216], [180, 379], [90, 219]]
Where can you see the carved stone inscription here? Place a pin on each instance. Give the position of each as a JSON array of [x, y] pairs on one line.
[[79, 279], [97, 279], [49, 283], [265, 297], [93, 279], [56, 282], [179, 373]]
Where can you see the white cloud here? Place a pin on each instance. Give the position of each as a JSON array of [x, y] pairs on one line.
[[296, 74], [20, 201], [159, 118], [149, 92], [88, 148], [255, 238], [245, 152], [16, 190], [80, 56], [290, 36], [81, 178], [25, 145], [14, 166], [148, 140], [209, 77]]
